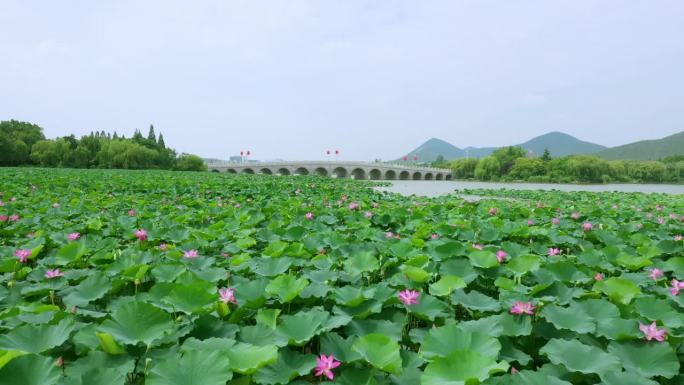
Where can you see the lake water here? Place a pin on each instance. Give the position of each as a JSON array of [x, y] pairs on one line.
[[436, 188]]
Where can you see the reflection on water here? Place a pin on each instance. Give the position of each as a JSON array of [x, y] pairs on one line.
[[435, 188]]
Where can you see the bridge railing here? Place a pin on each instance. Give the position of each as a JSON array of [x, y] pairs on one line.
[[326, 163]]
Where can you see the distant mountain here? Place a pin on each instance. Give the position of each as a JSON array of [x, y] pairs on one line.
[[558, 143], [647, 149]]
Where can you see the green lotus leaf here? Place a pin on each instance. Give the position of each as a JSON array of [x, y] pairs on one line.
[[461, 367], [619, 290], [268, 317], [134, 321], [289, 366], [70, 253], [300, 328], [88, 290], [526, 377], [646, 359], [37, 339], [659, 309], [483, 258], [190, 299], [572, 318], [442, 341], [446, 285], [523, 264], [276, 248], [286, 287], [349, 296], [625, 378], [247, 359], [380, 351], [195, 367], [333, 343], [474, 300], [579, 357], [30, 369], [428, 307]]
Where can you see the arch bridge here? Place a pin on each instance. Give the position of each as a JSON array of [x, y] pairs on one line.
[[337, 169]]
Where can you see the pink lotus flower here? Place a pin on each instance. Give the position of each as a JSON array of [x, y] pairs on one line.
[[368, 214], [191, 254], [530, 222], [53, 274], [409, 297], [141, 234], [322, 251], [587, 226], [501, 256], [3, 218], [677, 238], [514, 370], [553, 251], [13, 199], [375, 205], [227, 295], [522, 308], [659, 207], [478, 246], [325, 366], [14, 218], [575, 215], [539, 205], [661, 220], [389, 234], [163, 247], [673, 216], [676, 287], [655, 273], [353, 206], [132, 212], [55, 205], [237, 205], [555, 221], [1, 203], [598, 277], [434, 236], [23, 254], [493, 211], [309, 215], [74, 236], [652, 332]]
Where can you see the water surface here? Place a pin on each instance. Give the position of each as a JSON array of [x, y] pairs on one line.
[[436, 188]]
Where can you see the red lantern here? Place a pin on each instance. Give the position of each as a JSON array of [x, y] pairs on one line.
[[337, 152], [415, 157], [406, 158], [242, 153], [327, 152], [248, 153]]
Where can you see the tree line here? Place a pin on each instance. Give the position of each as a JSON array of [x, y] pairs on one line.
[[510, 164], [23, 144]]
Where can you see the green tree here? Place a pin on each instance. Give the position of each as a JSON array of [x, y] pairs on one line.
[[488, 168], [464, 168], [506, 157], [525, 168], [189, 162], [546, 156]]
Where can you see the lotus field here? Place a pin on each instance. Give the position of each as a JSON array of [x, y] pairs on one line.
[[163, 278]]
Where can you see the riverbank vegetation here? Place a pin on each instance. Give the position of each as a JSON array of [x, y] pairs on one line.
[[511, 164], [23, 144], [127, 277]]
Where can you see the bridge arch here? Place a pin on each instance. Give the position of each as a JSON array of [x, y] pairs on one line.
[[391, 175], [375, 174], [417, 176], [283, 171], [439, 176], [321, 171], [214, 170], [404, 175], [247, 171], [231, 171], [301, 171], [429, 176], [358, 173], [339, 172], [266, 171], [448, 177]]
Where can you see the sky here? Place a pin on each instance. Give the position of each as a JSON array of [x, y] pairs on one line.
[[290, 79]]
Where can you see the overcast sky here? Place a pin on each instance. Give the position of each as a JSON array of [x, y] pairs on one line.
[[289, 79]]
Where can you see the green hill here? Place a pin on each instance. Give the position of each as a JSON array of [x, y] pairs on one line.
[[558, 143], [647, 149]]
